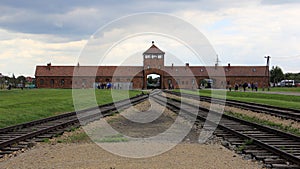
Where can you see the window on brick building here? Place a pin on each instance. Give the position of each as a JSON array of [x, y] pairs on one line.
[[42, 81], [62, 81], [52, 82]]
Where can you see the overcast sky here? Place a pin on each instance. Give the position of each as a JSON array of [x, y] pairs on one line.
[[35, 32]]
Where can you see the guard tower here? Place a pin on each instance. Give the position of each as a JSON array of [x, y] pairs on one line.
[[153, 63], [153, 58]]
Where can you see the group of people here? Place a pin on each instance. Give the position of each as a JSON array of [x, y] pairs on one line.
[[252, 86], [104, 85]]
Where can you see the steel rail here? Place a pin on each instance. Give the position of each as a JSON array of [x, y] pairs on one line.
[[287, 113], [173, 103]]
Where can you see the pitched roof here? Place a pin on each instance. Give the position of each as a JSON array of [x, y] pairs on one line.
[[88, 71], [154, 50], [232, 71]]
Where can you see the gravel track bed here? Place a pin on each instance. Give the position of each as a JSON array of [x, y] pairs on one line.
[[262, 116]]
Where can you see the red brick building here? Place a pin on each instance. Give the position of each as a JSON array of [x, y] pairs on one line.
[[135, 77]]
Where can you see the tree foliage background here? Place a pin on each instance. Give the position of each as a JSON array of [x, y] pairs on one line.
[[276, 75]]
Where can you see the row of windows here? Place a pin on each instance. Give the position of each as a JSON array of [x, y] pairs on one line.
[[185, 82], [148, 67], [52, 81], [153, 56], [62, 81]]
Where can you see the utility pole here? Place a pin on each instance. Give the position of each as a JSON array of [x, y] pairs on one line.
[[267, 71], [217, 61]]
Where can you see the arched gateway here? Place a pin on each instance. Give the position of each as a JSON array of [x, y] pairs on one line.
[[135, 77]]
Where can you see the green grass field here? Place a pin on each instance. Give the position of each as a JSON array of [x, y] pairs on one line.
[[279, 100], [18, 106], [284, 89]]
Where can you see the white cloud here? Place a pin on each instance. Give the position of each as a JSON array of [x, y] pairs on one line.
[[244, 35], [242, 32], [20, 52]]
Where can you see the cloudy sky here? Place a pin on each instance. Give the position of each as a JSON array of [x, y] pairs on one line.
[[35, 32]]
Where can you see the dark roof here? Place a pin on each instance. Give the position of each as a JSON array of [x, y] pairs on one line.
[[154, 50], [205, 71], [88, 71]]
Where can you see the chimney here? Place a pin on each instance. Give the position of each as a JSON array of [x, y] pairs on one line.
[[187, 64], [228, 65], [172, 65], [48, 65]]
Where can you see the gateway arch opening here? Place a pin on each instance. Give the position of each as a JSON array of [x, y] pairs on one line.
[[153, 81]]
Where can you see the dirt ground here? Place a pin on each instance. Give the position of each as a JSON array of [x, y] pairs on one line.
[[89, 155], [132, 123]]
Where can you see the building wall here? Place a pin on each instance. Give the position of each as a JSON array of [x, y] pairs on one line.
[[139, 82], [83, 82]]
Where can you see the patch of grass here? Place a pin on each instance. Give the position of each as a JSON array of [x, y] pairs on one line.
[[286, 101], [111, 139], [285, 89], [75, 138], [46, 140], [19, 106], [279, 126], [248, 142], [243, 146]]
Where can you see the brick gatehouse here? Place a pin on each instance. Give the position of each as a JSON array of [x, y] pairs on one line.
[[135, 77]]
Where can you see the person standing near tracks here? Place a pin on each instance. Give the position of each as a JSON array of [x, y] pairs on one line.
[[252, 86], [255, 86], [236, 87], [245, 85]]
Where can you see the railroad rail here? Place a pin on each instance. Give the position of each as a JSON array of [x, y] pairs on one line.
[[285, 113], [20, 136], [275, 148]]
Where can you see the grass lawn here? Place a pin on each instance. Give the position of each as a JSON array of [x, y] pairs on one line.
[[19, 106], [286, 101], [285, 89]]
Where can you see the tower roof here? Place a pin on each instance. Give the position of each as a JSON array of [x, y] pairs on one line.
[[154, 50]]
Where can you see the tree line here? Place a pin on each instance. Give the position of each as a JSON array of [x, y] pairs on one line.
[[14, 81], [277, 75]]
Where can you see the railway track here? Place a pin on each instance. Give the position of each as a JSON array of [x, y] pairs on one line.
[[18, 137], [275, 148], [285, 113]]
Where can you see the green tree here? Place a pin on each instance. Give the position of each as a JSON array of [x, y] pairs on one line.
[[292, 76], [150, 80], [21, 79], [276, 74]]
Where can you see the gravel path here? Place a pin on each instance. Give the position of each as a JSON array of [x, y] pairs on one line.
[[71, 156]]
